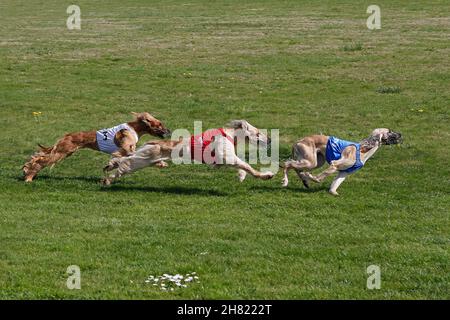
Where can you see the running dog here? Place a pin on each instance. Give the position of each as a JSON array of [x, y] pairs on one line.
[[215, 147], [344, 156], [118, 141]]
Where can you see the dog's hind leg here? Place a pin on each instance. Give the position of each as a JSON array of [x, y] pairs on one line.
[[246, 168], [301, 175], [48, 157], [225, 155], [304, 157], [346, 161], [63, 148], [320, 160], [298, 166]]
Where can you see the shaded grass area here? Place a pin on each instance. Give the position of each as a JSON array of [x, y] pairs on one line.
[[278, 64]]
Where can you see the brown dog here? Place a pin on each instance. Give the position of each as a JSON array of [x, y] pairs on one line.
[[118, 141]]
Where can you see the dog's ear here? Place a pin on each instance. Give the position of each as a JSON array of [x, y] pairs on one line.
[[244, 125], [239, 124], [118, 137]]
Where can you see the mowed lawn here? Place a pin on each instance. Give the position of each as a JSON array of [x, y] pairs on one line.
[[303, 67]]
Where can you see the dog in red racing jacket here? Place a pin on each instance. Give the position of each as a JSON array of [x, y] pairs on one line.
[[215, 147]]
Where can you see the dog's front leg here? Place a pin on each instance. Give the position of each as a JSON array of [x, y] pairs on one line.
[[122, 152], [337, 182], [122, 164], [109, 178], [336, 165], [368, 154], [285, 180], [298, 166], [161, 164]]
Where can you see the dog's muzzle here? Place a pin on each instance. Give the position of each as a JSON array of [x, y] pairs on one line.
[[162, 133], [167, 134], [394, 138]]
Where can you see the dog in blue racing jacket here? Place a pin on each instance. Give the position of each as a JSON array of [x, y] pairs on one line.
[[346, 157]]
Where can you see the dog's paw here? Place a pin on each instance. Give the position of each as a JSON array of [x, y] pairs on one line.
[[285, 182], [267, 175], [309, 176], [242, 174], [28, 179], [161, 164], [305, 183], [333, 192], [105, 181]]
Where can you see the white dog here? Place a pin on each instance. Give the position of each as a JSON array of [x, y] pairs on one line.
[[215, 147]]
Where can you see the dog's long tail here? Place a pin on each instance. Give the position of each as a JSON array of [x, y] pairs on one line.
[[46, 149]]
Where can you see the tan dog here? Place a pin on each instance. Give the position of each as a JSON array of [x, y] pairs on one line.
[[217, 148], [346, 157], [118, 141]]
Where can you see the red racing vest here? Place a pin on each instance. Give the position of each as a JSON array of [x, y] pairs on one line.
[[200, 145]]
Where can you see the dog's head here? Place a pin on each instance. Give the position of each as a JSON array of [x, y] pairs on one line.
[[387, 136], [254, 135], [151, 125]]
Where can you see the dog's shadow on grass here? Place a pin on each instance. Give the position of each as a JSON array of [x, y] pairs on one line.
[[172, 190], [57, 178], [127, 187], [177, 190], [293, 189]]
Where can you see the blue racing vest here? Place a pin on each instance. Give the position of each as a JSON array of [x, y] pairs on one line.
[[334, 150]]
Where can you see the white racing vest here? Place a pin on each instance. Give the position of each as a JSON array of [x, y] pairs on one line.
[[105, 137]]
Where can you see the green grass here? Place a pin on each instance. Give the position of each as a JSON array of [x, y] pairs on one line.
[[278, 64], [384, 90], [353, 47]]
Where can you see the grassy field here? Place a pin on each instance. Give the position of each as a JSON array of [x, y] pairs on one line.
[[303, 67]]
